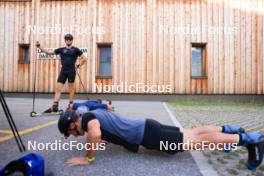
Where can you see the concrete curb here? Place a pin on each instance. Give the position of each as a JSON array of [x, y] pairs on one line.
[[205, 168]]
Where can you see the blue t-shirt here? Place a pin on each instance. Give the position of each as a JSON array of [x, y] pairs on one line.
[[116, 128], [91, 105]]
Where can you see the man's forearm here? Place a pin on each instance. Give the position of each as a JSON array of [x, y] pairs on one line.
[[46, 51], [82, 61], [93, 142]]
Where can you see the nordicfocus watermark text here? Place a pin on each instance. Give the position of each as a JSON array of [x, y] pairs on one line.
[[133, 88], [165, 145], [58, 145], [194, 30], [60, 29]]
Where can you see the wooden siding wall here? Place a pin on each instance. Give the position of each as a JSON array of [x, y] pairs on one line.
[[141, 52]]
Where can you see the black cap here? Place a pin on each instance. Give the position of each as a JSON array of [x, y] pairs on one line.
[[68, 37], [65, 120]]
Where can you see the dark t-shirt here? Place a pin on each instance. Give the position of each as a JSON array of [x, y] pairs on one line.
[[68, 56]]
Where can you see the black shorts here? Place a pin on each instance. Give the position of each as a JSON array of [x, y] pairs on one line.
[[67, 74], [158, 136]]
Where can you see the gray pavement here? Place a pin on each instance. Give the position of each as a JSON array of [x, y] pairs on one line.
[[115, 160]]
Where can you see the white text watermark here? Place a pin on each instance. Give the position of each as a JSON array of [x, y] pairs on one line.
[[170, 146], [133, 88], [58, 29], [194, 30], [58, 145]]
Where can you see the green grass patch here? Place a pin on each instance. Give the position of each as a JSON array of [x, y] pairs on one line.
[[214, 152], [227, 157], [242, 161], [218, 103], [207, 155], [232, 171], [261, 168], [259, 174], [240, 166], [222, 161], [234, 153]]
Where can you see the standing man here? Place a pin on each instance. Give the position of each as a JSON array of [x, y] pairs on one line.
[[68, 55]]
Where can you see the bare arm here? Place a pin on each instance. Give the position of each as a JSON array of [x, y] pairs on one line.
[[82, 60], [94, 136], [44, 50]]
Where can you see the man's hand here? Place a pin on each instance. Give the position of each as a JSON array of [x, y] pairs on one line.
[[37, 44], [77, 161], [44, 50], [109, 107]]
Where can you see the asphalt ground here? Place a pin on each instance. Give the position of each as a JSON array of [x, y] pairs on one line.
[[115, 160]]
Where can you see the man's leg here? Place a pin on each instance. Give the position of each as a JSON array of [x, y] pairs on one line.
[[55, 106], [71, 92], [59, 85], [230, 129], [215, 138], [57, 96], [71, 79], [202, 129]]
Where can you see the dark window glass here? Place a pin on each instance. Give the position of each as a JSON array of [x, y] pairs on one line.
[[105, 68], [197, 61], [24, 54]]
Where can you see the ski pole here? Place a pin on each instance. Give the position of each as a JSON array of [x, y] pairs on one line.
[[82, 84], [11, 123], [34, 83]]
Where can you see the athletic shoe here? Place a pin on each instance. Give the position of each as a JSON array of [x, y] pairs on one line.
[[233, 129], [246, 138], [255, 152], [54, 108]]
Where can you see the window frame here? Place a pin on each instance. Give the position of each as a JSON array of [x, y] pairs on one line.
[[203, 47], [102, 45], [21, 48]]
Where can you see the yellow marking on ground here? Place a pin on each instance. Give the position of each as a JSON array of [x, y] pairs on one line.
[[6, 131], [29, 130]]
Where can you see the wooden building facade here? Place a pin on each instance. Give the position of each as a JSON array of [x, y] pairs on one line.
[[152, 42]]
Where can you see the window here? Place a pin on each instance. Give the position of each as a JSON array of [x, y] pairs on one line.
[[23, 54], [104, 60], [198, 60]]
